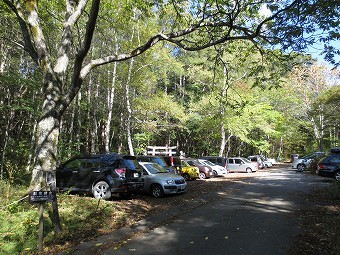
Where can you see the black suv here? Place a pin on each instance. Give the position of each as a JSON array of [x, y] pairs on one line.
[[330, 165], [100, 174]]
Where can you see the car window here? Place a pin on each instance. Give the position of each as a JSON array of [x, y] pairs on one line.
[[184, 163], [159, 161], [237, 161], [246, 160], [209, 163], [231, 161], [154, 168], [93, 162], [75, 163], [130, 163], [335, 158], [218, 161], [191, 163], [89, 164]]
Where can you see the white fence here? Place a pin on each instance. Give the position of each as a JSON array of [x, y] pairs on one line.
[[161, 150]]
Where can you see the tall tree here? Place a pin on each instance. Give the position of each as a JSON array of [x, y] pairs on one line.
[[308, 82]]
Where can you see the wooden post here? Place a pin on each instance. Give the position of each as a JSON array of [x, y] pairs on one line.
[[56, 219], [41, 227]]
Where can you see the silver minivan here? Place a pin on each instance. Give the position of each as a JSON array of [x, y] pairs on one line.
[[239, 164]]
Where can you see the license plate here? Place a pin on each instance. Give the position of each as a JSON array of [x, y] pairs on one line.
[[136, 175]]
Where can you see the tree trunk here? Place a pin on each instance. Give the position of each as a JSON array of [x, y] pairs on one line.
[[128, 108], [30, 155], [110, 98], [95, 126], [47, 134], [222, 111], [5, 141]]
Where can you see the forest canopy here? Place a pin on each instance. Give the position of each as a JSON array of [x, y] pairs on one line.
[[91, 76]]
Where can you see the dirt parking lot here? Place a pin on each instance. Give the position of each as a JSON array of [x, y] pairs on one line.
[[198, 191]]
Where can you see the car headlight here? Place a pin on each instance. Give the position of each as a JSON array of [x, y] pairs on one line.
[[170, 181]]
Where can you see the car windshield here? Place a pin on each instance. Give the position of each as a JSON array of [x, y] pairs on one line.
[[334, 158], [312, 156], [184, 163], [246, 160], [159, 161], [154, 168], [207, 162]]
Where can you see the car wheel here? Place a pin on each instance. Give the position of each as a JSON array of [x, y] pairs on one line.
[[248, 169], [186, 177], [337, 175], [101, 190], [301, 167], [157, 191], [215, 173], [202, 176]]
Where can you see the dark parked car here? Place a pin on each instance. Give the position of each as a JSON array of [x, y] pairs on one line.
[[174, 162], [205, 171], [100, 174], [330, 165], [222, 161], [155, 159]]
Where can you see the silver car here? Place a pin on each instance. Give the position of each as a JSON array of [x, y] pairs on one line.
[[158, 182], [239, 164], [301, 164]]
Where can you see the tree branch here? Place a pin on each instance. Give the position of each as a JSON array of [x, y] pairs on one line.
[[77, 79], [28, 46]]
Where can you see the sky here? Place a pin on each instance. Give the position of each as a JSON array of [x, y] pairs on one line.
[[315, 49]]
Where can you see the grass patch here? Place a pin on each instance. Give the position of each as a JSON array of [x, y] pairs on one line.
[[81, 217]]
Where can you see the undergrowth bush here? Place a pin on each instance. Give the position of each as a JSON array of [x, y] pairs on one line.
[[81, 217]]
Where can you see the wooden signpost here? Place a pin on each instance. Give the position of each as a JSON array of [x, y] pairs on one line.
[[41, 197]]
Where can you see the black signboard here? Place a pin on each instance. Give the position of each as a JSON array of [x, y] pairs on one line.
[[41, 196]]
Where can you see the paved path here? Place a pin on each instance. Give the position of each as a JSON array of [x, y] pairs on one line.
[[256, 218]]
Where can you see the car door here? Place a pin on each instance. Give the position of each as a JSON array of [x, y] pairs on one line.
[[234, 165], [88, 172], [67, 174], [239, 165], [146, 178]]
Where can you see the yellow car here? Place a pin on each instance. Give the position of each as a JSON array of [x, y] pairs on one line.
[[189, 172]]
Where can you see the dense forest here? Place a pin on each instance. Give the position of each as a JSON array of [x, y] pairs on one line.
[[210, 77]]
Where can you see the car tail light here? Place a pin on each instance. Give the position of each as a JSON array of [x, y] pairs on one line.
[[321, 166], [120, 171]]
